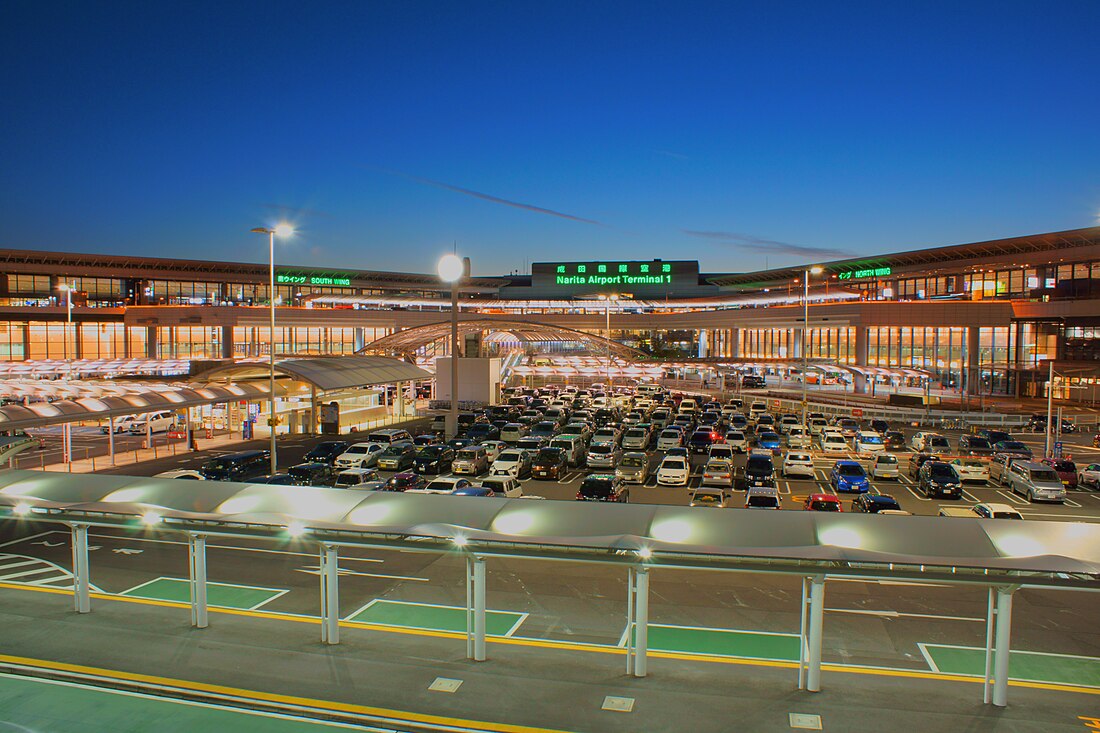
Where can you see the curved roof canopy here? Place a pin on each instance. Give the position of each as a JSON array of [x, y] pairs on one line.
[[983, 551], [327, 373], [409, 340]]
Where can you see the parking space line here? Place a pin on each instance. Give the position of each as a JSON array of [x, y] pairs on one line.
[[182, 587], [1013, 498], [916, 495], [441, 610]]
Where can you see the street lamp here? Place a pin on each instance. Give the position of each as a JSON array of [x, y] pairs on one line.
[[815, 270], [283, 230], [66, 431], [607, 299], [451, 268]]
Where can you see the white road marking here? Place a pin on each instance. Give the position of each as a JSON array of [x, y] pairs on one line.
[[315, 570], [1013, 498], [23, 573], [897, 614], [21, 563], [28, 539]]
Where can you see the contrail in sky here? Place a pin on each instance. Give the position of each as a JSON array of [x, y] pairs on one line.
[[771, 246], [490, 198]]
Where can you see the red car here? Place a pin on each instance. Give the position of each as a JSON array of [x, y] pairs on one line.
[[822, 503], [1066, 470]]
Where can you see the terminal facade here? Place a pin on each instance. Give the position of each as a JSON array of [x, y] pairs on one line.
[[988, 317]]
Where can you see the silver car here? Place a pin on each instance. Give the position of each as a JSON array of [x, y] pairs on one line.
[[633, 468], [1036, 481], [603, 455]]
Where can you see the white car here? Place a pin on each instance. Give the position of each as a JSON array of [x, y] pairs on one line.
[[720, 450], [798, 464], [184, 473], [996, 511], [798, 437], [670, 438], [885, 466], [971, 469], [736, 439], [785, 424], [1089, 476], [673, 471], [512, 462], [717, 472], [818, 425], [869, 443], [493, 448], [834, 444], [359, 455], [710, 498]]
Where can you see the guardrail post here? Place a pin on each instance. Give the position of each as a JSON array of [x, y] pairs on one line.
[[196, 555], [1004, 646], [81, 582], [641, 620], [330, 595], [815, 631], [479, 608]]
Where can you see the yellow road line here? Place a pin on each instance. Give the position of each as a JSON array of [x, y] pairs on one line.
[[572, 646], [255, 695]]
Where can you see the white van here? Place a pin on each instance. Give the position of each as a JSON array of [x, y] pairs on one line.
[[154, 422], [388, 437], [688, 407]]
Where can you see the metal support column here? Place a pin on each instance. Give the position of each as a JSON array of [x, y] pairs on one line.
[[330, 595], [1004, 646], [477, 583], [802, 645], [637, 620], [81, 582], [111, 438], [814, 633], [990, 614], [196, 555]]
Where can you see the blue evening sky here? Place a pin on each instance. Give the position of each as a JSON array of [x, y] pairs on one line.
[[739, 134]]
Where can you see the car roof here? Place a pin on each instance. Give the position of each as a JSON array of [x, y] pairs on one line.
[[823, 497], [996, 507], [845, 462]]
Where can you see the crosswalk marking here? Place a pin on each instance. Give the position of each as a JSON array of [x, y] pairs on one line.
[[49, 574], [10, 565]]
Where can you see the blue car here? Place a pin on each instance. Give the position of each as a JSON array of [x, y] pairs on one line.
[[849, 476], [473, 491], [769, 441]]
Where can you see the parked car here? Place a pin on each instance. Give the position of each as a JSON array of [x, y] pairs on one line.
[[920, 441], [404, 481], [885, 466], [701, 440], [1090, 476], [971, 469], [849, 476], [572, 446], [240, 466], [762, 497], [312, 473], [513, 462], [917, 460], [759, 471], [937, 478], [674, 471], [996, 511], [603, 487], [710, 498], [798, 464], [975, 445], [869, 443], [503, 485], [875, 503], [998, 467], [121, 424], [718, 472], [1013, 447], [834, 444], [736, 439], [397, 457], [181, 473], [894, 440], [389, 436], [799, 437], [770, 441], [154, 422], [636, 438], [435, 459], [472, 460], [549, 463], [822, 503], [1066, 470], [359, 455], [357, 478], [1036, 481], [327, 450], [633, 468]]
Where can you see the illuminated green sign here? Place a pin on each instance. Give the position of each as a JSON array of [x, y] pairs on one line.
[[866, 272], [286, 279], [614, 275]]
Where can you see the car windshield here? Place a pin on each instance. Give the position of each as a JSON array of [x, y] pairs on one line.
[[468, 455], [887, 459], [885, 502], [596, 487], [600, 448], [635, 433], [942, 472], [438, 484], [673, 463], [825, 506], [762, 500], [635, 461], [979, 443], [1011, 445], [394, 450], [850, 469], [357, 449], [549, 455], [871, 439], [1064, 466], [937, 440], [718, 464], [769, 437], [431, 451], [798, 457], [759, 464], [1006, 515], [1044, 474], [670, 434], [706, 499], [510, 456], [347, 480]]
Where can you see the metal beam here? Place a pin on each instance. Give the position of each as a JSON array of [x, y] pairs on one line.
[[330, 595], [477, 580], [641, 620], [815, 632], [1004, 646]]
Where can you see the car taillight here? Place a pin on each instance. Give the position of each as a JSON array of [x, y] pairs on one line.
[[579, 495]]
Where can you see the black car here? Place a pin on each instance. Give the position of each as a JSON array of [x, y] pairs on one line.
[[975, 445], [314, 473], [994, 436], [326, 451], [434, 459], [459, 443], [404, 481], [940, 479], [751, 381], [603, 487], [880, 426], [917, 460], [241, 466], [549, 463], [894, 440], [544, 429], [759, 471], [701, 441], [1012, 448], [482, 431], [874, 503], [278, 479]]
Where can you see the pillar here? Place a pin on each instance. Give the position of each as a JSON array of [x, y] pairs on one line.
[[973, 360], [859, 380], [81, 570], [314, 408], [702, 353], [814, 633], [151, 342], [735, 343], [400, 399], [641, 620], [358, 340], [111, 438], [227, 342], [196, 555], [1003, 646], [330, 595], [475, 609]]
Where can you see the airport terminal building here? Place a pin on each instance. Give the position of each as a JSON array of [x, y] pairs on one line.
[[987, 317]]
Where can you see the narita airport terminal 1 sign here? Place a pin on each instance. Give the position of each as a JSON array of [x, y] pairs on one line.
[[615, 275], [287, 278]]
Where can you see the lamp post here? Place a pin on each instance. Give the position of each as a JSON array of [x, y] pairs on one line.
[[283, 230], [67, 434], [451, 268], [607, 311], [816, 270]]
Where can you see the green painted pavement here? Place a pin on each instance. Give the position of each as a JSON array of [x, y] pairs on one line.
[[38, 705], [436, 618], [217, 594], [724, 642], [1032, 666]]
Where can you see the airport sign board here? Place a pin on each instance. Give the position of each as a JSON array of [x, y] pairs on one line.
[[865, 272], [298, 278], [615, 275]]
